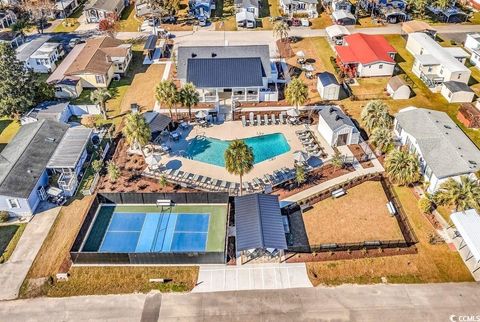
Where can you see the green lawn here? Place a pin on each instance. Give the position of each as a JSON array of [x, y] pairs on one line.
[[72, 21], [128, 21], [9, 237], [8, 129]]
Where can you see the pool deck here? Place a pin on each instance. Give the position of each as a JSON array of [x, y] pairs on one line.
[[235, 130]]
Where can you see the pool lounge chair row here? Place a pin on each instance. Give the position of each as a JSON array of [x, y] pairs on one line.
[[265, 119], [309, 142]]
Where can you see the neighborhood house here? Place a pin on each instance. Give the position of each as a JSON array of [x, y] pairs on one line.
[[443, 150], [472, 43], [243, 73], [37, 151], [300, 7], [435, 64], [91, 65], [364, 55], [97, 10]]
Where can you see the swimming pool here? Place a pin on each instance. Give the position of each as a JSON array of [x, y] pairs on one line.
[[210, 150]]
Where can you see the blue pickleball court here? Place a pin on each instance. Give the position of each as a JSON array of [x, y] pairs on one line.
[[155, 232]]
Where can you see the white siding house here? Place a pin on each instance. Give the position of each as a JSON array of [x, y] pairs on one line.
[[443, 150], [435, 64], [472, 44], [456, 92], [337, 128], [302, 7], [44, 59]]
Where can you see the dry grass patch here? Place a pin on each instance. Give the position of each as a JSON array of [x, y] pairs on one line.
[[371, 88], [322, 22], [84, 280], [432, 264], [359, 216], [142, 89], [56, 247]]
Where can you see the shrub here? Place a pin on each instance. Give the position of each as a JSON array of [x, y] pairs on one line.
[[425, 205], [4, 216]]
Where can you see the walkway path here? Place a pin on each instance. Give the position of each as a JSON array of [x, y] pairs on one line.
[[214, 278], [377, 168], [14, 271], [415, 302]]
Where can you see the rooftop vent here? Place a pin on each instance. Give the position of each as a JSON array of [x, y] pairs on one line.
[[472, 162], [194, 55], [50, 140], [338, 118], [331, 110], [214, 55], [447, 127]]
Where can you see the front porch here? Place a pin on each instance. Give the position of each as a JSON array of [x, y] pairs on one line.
[[433, 81], [240, 94]]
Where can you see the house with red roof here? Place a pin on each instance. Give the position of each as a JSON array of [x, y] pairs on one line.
[[364, 55]]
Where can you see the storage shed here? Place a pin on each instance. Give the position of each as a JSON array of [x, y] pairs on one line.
[[336, 127], [457, 92], [398, 89], [327, 86]]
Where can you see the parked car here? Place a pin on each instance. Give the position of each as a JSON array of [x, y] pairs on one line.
[[202, 21], [295, 22]]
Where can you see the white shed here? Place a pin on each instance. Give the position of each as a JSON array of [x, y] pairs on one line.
[[456, 92], [336, 127], [327, 86], [336, 33], [398, 89]]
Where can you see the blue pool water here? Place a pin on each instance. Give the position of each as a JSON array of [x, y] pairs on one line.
[[212, 151], [155, 232]]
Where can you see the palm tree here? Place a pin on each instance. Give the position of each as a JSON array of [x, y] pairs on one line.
[[464, 194], [239, 159], [442, 4], [136, 131], [167, 94], [375, 114], [20, 26], [337, 161], [300, 176], [189, 97], [162, 181], [381, 138], [113, 171], [100, 97], [281, 29], [402, 167], [296, 92]]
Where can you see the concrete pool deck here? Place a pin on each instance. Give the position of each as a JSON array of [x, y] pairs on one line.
[[234, 130]]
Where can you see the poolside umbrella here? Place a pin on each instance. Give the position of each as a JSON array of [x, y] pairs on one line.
[[201, 114], [293, 112], [153, 159], [300, 54], [300, 156]]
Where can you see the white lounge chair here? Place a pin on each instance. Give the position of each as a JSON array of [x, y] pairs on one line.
[[274, 120], [266, 120], [252, 120], [244, 122], [259, 119], [282, 120]]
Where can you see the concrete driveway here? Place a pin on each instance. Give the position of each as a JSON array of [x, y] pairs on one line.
[[14, 271], [216, 278]]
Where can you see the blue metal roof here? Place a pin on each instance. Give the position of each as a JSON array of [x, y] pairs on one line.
[[225, 72]]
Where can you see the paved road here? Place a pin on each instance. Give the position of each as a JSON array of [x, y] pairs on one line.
[[423, 302], [13, 272]]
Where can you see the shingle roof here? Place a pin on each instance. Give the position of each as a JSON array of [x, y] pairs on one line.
[[27, 49], [258, 222], [185, 54], [225, 72], [335, 118], [396, 82], [71, 147], [365, 49], [443, 145], [455, 87], [25, 158], [247, 3], [48, 110], [157, 121], [327, 78], [106, 5], [94, 57]]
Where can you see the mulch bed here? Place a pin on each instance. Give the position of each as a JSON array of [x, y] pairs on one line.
[[339, 255], [315, 177], [284, 49], [359, 153], [131, 167]]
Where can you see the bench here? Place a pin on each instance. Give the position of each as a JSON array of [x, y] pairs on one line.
[[165, 203], [391, 208], [338, 193]]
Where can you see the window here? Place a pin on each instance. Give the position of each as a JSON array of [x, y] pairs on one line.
[[58, 89], [459, 75], [449, 94], [380, 66], [430, 69], [99, 79], [13, 203], [441, 71]]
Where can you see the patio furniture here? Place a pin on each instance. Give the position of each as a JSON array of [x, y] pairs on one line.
[[274, 120], [259, 119], [201, 114], [165, 147], [338, 193], [175, 136], [204, 182], [257, 182], [266, 120], [293, 112], [223, 184], [184, 125], [244, 122], [251, 117], [282, 120], [300, 156]]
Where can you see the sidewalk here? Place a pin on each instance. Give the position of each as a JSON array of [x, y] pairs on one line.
[[14, 271], [377, 168]]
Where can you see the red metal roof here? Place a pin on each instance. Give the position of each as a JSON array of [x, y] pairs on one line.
[[365, 49]]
